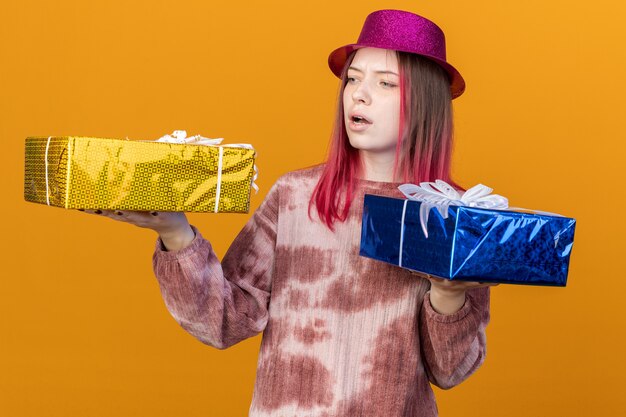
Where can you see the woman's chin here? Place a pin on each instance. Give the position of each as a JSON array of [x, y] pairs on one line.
[[372, 149], [366, 144]]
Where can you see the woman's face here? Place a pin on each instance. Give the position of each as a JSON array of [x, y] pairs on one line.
[[373, 93]]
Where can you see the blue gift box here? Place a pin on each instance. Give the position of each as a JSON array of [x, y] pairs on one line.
[[471, 244]]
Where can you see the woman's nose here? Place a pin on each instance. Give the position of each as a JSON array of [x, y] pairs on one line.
[[360, 94]]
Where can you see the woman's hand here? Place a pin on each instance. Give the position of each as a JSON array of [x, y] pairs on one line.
[[448, 296], [172, 227]]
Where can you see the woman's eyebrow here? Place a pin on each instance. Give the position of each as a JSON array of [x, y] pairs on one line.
[[376, 72]]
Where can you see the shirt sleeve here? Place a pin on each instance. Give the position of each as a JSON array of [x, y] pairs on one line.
[[222, 303], [454, 345]]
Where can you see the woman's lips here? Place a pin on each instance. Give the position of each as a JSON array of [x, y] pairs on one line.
[[359, 126]]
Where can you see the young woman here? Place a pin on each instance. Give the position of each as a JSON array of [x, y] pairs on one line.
[[343, 335]]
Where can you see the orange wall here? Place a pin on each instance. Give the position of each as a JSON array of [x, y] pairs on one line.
[[84, 331]]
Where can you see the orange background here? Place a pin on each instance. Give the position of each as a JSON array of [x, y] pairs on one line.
[[84, 330]]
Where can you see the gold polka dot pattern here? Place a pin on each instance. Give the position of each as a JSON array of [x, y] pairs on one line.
[[117, 174]]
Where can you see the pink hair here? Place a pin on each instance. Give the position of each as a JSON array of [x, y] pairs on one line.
[[425, 154]]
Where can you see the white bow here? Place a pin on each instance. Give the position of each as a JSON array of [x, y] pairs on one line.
[[180, 136], [441, 195]]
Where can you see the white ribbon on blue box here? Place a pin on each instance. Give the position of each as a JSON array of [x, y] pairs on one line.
[[471, 237]]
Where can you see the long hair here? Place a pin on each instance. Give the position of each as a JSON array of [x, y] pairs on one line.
[[424, 146]]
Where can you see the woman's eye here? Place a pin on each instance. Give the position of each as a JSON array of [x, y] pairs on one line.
[[350, 79], [386, 84]]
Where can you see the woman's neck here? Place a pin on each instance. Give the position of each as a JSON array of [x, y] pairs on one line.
[[377, 167]]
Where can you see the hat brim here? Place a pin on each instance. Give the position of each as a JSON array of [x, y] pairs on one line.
[[337, 59]]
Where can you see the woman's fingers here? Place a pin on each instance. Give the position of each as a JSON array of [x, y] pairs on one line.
[[160, 222], [471, 284], [88, 211], [451, 283], [139, 218]]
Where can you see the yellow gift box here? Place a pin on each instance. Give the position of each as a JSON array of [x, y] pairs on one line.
[[116, 174]]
